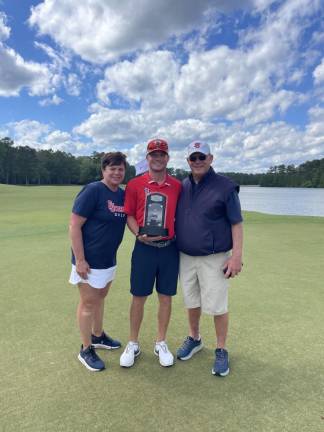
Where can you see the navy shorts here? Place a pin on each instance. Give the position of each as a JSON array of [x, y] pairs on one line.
[[154, 265]]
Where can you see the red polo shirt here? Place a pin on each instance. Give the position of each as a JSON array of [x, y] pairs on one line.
[[135, 198]]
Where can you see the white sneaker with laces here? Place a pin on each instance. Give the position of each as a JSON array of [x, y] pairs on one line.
[[165, 356], [131, 351]]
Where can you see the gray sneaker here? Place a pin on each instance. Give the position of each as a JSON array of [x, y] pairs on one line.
[[90, 359], [189, 347], [221, 364], [105, 341]]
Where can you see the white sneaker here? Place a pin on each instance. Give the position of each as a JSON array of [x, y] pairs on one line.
[[165, 356], [131, 351]]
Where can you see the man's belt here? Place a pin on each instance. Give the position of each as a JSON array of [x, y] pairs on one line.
[[161, 243]]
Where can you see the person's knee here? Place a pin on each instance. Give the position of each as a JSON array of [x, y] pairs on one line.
[[102, 293], [139, 300], [221, 315], [88, 304], [165, 300]]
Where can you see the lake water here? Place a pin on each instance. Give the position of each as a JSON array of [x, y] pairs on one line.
[[283, 201]]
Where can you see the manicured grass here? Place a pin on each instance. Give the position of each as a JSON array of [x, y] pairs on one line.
[[276, 336]]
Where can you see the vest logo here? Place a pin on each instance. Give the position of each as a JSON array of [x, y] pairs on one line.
[[146, 191]]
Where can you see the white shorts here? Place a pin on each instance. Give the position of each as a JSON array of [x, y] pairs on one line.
[[203, 282], [97, 278]]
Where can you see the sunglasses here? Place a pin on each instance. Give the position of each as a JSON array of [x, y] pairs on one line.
[[200, 157]]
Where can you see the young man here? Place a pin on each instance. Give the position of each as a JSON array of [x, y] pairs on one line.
[[155, 259], [208, 226]]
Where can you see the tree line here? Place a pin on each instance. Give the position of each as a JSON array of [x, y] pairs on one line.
[[24, 165]]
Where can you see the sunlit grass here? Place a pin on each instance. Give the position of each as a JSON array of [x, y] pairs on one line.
[[276, 336]]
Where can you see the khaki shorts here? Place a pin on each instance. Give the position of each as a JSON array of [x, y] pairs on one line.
[[203, 282]]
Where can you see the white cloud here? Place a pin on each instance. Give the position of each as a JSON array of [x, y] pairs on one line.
[[28, 132], [244, 83], [256, 149], [73, 84], [16, 73], [60, 67], [54, 100], [120, 27], [219, 83], [275, 47], [60, 59], [40, 79], [213, 83], [262, 108], [182, 132], [101, 31], [318, 73], [57, 140], [148, 80], [315, 128], [237, 147], [110, 127], [224, 95], [318, 38], [4, 29], [42, 137], [185, 89]]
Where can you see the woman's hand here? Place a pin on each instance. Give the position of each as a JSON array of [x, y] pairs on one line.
[[82, 268]]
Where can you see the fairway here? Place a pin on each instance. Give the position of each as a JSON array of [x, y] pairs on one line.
[[276, 338]]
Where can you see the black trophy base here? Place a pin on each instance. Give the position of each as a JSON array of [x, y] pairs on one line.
[[153, 231]]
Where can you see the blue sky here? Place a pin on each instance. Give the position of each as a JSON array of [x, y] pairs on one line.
[[98, 75]]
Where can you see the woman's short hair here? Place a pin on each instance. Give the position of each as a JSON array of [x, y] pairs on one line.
[[113, 158]]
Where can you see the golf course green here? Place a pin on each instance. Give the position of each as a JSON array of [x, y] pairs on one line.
[[276, 340]]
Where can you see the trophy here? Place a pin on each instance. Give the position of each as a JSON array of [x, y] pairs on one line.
[[154, 217]]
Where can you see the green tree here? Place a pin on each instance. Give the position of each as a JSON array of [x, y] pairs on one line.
[[6, 159], [26, 166]]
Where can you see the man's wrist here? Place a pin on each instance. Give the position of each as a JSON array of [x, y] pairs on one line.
[[237, 255]]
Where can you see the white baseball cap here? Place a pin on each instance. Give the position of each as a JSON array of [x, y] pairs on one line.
[[198, 147]]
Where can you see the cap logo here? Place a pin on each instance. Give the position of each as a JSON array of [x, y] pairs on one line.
[[197, 145], [157, 144]]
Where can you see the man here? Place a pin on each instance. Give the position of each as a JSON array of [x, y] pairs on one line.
[[155, 259], [208, 227]]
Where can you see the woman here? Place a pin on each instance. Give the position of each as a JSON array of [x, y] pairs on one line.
[[97, 227]]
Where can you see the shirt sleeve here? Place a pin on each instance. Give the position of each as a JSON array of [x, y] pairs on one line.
[[233, 208], [85, 202], [130, 200]]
